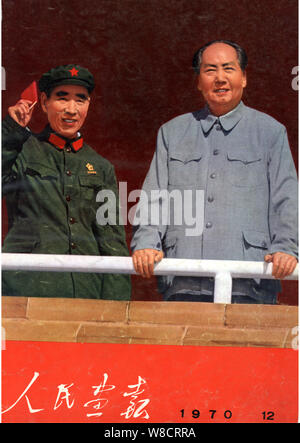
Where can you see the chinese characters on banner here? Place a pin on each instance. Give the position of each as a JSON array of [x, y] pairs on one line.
[[47, 382], [66, 398]]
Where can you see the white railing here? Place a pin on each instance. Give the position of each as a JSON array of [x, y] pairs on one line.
[[223, 271]]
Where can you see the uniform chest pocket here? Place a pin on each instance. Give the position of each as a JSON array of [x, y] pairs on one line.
[[40, 170], [184, 168], [89, 186], [245, 169], [255, 245]]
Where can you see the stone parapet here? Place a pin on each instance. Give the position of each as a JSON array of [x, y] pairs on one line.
[[140, 322]]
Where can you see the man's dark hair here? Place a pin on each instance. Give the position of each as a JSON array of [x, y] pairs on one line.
[[241, 54]]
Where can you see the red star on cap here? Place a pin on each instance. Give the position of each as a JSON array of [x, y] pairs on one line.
[[74, 72]]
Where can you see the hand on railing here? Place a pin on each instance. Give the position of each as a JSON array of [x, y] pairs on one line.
[[283, 264], [144, 260]]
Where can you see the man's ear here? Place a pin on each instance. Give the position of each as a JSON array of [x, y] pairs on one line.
[[244, 79], [44, 100], [199, 86]]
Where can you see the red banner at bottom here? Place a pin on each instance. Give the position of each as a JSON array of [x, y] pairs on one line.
[[45, 382]]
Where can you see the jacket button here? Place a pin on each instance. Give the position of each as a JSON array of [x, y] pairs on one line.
[[72, 220], [216, 151], [210, 198], [68, 149], [264, 244], [68, 198], [213, 175], [208, 224], [68, 172], [73, 245]]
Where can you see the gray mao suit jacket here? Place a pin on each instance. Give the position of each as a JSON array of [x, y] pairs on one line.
[[238, 184]]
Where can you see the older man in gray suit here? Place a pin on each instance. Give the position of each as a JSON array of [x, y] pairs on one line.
[[240, 161]]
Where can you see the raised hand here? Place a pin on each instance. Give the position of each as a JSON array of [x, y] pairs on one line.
[[22, 111]]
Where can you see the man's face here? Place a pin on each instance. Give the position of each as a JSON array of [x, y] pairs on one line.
[[221, 79], [66, 109]]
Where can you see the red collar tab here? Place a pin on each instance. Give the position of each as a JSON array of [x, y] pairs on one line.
[[77, 144], [57, 141], [61, 143]]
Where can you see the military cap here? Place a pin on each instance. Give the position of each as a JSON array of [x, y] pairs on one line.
[[66, 75]]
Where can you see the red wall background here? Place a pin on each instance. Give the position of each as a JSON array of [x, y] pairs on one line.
[[140, 53]]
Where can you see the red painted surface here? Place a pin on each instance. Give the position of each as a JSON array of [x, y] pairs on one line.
[[140, 52], [179, 384]]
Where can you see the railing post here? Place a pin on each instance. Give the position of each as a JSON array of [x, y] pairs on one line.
[[223, 287]]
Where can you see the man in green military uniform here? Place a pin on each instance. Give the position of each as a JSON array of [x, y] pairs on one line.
[[50, 181]]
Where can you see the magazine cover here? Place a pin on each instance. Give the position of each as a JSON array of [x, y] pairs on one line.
[[149, 214]]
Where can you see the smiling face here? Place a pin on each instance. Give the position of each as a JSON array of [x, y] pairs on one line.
[[221, 79], [66, 109]]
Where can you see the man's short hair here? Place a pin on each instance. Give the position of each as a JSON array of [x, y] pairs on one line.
[[241, 54]]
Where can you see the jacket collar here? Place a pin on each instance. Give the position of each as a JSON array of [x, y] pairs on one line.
[[228, 121], [60, 142]]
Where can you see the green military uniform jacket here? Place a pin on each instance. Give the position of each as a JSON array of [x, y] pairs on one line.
[[50, 192]]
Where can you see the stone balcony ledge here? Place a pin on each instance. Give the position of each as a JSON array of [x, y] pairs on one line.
[[145, 322]]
